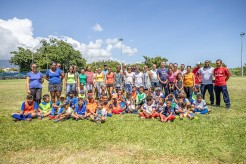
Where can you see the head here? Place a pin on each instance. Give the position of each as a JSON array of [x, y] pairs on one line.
[[109, 69], [163, 64], [196, 88], [154, 66], [151, 89], [29, 99], [100, 104], [58, 65], [75, 68], [71, 94], [146, 91], [99, 70], [82, 71], [46, 98], [149, 100], [88, 68], [71, 69], [170, 65], [188, 68], [179, 76], [137, 69], [80, 101], [146, 68], [134, 88], [141, 89], [82, 85], [207, 63], [129, 96], [168, 103], [53, 65], [199, 98], [62, 97], [105, 99], [182, 105], [198, 64], [182, 67], [218, 63], [158, 91], [90, 98], [129, 69], [170, 71], [34, 67], [175, 66], [114, 97], [96, 70], [170, 96], [118, 68], [105, 66], [161, 101]]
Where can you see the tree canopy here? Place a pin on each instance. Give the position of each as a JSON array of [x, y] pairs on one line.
[[52, 50]]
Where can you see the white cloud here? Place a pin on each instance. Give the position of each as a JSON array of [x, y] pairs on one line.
[[19, 32], [97, 28]]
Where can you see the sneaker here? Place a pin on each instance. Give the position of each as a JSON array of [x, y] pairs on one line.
[[55, 121], [227, 107]]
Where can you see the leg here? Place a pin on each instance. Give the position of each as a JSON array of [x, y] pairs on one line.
[[217, 94], [38, 95], [205, 111], [58, 94], [68, 88], [226, 96], [211, 93], [53, 97], [203, 90]]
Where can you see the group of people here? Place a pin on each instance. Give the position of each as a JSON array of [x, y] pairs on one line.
[[165, 93]]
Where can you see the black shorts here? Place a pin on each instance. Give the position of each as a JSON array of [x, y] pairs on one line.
[[110, 85], [55, 87]]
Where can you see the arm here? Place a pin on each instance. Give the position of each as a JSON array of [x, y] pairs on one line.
[[150, 75], [28, 85], [65, 81]]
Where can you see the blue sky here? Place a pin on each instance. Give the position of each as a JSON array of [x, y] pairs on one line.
[[183, 31]]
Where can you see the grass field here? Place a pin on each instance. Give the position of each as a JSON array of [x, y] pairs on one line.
[[219, 137]]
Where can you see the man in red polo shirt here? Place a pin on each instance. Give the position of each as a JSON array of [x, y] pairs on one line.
[[221, 74]]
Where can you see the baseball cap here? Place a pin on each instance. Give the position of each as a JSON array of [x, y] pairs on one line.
[[62, 96], [198, 63]]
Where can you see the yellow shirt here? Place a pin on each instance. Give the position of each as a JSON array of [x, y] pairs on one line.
[[99, 77], [188, 80]]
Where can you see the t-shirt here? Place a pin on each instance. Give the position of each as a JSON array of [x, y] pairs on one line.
[[176, 73], [198, 76], [73, 101], [80, 110], [207, 75], [71, 78], [220, 76], [201, 104], [89, 76], [167, 111], [149, 109], [91, 107], [154, 75], [45, 107], [138, 79], [82, 79], [171, 78], [54, 77], [129, 77], [35, 79], [162, 72], [27, 108], [110, 78], [188, 80], [102, 112]]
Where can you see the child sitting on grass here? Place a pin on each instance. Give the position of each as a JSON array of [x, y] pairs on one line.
[[167, 114], [114, 105], [101, 113], [91, 106], [65, 112], [82, 91], [183, 112], [196, 91], [72, 99], [130, 104], [56, 106], [140, 99], [106, 104], [45, 107], [160, 105], [148, 109], [199, 106], [28, 111], [80, 110]]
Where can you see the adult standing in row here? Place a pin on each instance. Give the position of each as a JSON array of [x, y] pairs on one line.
[[70, 80], [198, 77], [188, 82], [34, 82], [221, 74], [89, 78], [147, 77], [154, 81], [54, 76], [207, 80], [162, 77]]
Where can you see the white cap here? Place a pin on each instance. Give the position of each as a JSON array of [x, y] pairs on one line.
[[198, 63]]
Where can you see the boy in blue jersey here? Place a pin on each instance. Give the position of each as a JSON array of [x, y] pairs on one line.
[[80, 110], [72, 99]]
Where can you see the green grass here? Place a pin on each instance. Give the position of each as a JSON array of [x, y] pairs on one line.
[[215, 138]]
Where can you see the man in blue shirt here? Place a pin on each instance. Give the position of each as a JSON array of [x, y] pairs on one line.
[[162, 77]]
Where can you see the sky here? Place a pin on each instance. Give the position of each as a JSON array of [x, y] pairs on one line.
[[183, 31]]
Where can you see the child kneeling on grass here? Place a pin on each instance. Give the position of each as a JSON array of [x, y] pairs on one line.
[[28, 111], [65, 112], [101, 113], [80, 110], [168, 113], [149, 109], [199, 106], [45, 107]]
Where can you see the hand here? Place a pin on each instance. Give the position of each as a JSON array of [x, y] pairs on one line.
[[28, 91]]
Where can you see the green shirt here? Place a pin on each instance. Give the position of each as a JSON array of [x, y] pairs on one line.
[[82, 79]]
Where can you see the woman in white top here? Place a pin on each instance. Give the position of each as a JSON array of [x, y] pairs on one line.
[[147, 77], [129, 75], [154, 79], [138, 77]]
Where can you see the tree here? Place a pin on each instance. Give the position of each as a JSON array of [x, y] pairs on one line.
[[156, 60], [52, 50], [22, 58]]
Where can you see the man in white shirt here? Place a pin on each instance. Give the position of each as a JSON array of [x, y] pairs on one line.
[[207, 80]]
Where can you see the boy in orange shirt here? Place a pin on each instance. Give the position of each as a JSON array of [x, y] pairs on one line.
[[115, 105], [91, 106]]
